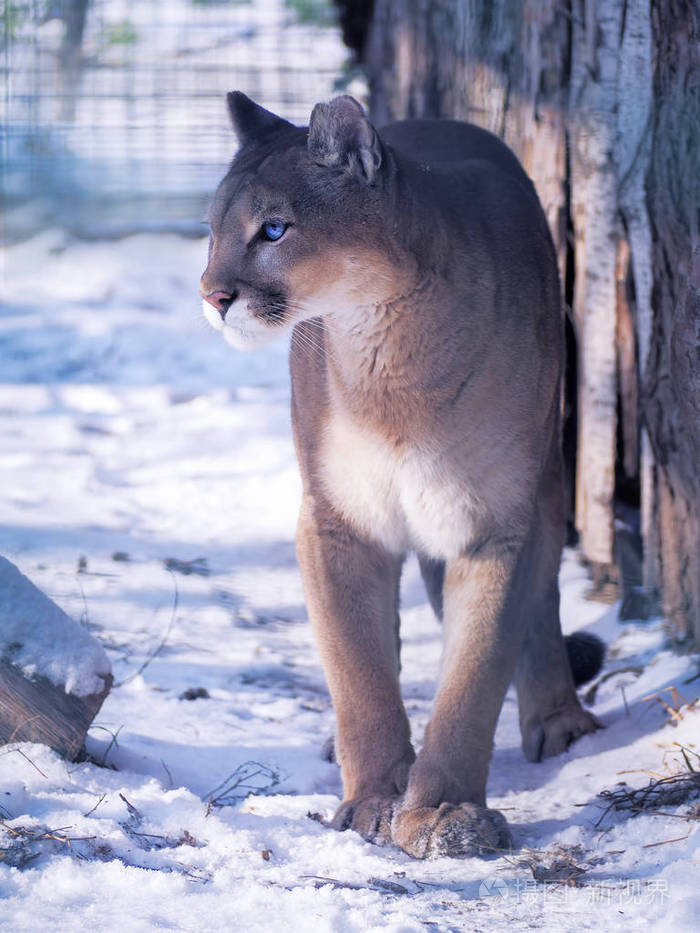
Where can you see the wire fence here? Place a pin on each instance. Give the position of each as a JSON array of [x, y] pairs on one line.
[[113, 114]]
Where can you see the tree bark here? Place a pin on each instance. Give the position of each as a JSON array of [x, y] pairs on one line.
[[54, 675], [672, 383], [627, 363], [632, 150], [499, 64], [32, 709], [595, 40]]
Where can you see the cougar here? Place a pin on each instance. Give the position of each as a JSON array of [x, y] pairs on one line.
[[415, 265]]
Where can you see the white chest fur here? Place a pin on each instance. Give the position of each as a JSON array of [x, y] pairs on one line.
[[404, 498]]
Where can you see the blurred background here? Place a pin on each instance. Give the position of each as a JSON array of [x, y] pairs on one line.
[[113, 115]]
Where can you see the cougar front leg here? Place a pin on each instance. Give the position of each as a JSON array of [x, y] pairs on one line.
[[352, 591], [444, 809]]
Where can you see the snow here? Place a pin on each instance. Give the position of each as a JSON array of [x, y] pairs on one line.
[[38, 637], [150, 489]]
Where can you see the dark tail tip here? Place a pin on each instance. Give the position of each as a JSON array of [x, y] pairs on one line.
[[586, 654]]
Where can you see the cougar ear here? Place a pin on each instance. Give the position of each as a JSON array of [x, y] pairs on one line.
[[250, 120], [341, 136]]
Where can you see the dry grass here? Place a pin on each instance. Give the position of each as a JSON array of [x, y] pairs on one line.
[[680, 784], [23, 845], [248, 779], [559, 865], [674, 703]]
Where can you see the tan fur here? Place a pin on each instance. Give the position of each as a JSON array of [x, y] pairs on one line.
[[418, 272]]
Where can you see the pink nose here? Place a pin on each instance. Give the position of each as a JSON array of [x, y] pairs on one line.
[[221, 301]]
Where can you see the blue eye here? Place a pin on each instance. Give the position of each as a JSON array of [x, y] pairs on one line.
[[272, 230]]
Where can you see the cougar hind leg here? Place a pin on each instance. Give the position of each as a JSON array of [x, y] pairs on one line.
[[433, 573], [551, 716]]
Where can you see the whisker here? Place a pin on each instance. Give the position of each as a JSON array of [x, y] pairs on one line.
[[324, 346], [312, 326], [306, 340], [306, 345]]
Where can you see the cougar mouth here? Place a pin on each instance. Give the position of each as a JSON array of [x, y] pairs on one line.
[[275, 310], [245, 323]]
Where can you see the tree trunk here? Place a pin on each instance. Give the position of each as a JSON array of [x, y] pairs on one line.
[[499, 64], [672, 383], [594, 56], [571, 85], [627, 363], [505, 66], [632, 148]]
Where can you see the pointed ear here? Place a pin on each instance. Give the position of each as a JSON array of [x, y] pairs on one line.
[[341, 136], [250, 120]]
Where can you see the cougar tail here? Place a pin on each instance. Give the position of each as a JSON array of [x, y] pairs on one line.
[[586, 654]]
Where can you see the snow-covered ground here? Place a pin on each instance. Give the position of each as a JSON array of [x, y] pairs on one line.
[[148, 485]]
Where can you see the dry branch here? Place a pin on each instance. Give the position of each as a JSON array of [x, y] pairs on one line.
[[663, 792]]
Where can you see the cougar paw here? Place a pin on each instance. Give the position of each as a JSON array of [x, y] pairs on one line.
[[553, 734], [458, 831], [369, 816]]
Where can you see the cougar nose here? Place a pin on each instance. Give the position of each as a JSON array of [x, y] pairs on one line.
[[222, 301]]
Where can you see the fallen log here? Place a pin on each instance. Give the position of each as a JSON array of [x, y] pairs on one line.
[[54, 676]]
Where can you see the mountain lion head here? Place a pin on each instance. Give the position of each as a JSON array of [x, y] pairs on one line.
[[299, 224]]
